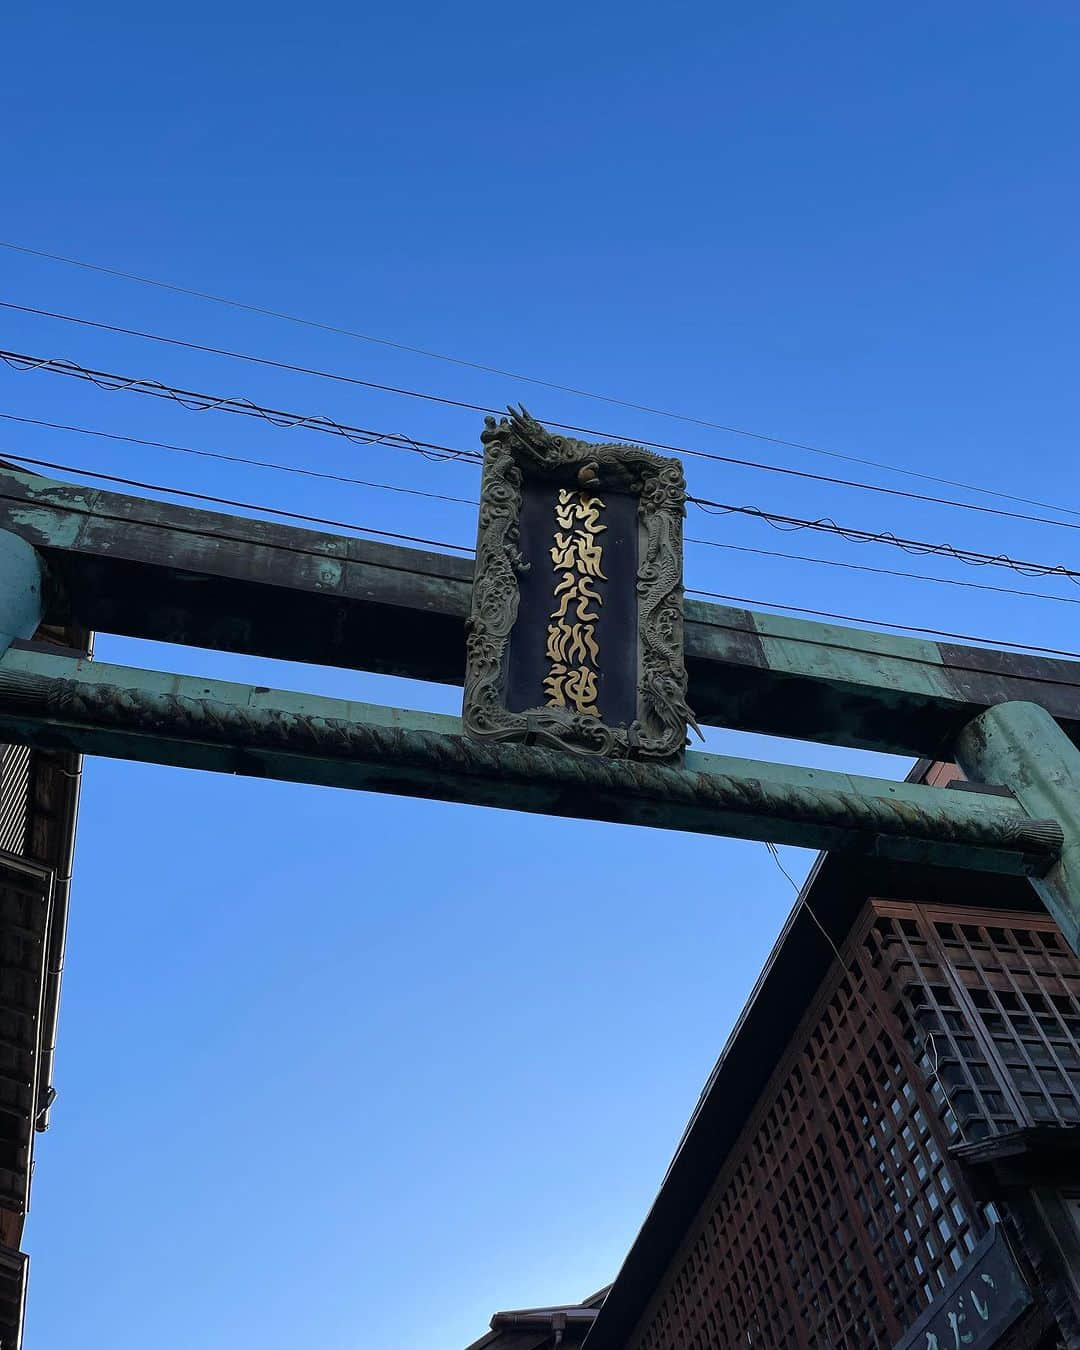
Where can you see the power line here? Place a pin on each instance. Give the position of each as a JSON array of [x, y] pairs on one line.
[[327, 327], [774, 853], [884, 571], [247, 356], [461, 548], [974, 557], [196, 402], [428, 397], [802, 901], [882, 623], [235, 459], [273, 465], [245, 461], [191, 400], [243, 506], [528, 379], [431, 450]]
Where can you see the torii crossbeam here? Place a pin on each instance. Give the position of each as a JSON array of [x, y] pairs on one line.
[[147, 569]]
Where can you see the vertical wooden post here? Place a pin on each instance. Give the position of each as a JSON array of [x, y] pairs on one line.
[[22, 589], [1020, 746]]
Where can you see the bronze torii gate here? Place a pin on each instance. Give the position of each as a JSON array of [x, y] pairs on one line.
[[146, 569], [83, 559]]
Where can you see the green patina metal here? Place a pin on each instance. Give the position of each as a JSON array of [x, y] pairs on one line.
[[153, 570], [126, 713], [174, 573], [156, 570], [1021, 746], [22, 589]]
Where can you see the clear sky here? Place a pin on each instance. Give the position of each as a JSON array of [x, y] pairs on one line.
[[353, 1072]]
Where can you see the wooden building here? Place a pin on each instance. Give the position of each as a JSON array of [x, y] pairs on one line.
[[39, 795], [887, 1153], [555, 1328]]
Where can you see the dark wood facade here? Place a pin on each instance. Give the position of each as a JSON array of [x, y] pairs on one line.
[[38, 804], [841, 1214], [900, 1096]]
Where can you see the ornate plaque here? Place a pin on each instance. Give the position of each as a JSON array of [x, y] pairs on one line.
[[576, 634]]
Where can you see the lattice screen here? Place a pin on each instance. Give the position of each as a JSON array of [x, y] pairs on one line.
[[14, 796], [838, 1217], [998, 1004]]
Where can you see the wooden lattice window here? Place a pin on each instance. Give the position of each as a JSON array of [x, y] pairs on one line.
[[839, 1216], [995, 998]]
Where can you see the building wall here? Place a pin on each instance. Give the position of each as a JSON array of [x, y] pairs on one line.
[[839, 1215]]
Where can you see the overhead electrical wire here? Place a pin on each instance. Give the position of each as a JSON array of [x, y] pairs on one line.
[[235, 459], [432, 450], [464, 549], [272, 362], [620, 437], [802, 901], [881, 623], [243, 506], [197, 402], [528, 379], [273, 465], [885, 571], [974, 557]]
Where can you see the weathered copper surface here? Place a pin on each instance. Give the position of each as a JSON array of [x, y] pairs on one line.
[[235, 728], [175, 573]]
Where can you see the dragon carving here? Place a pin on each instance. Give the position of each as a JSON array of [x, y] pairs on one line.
[[516, 447]]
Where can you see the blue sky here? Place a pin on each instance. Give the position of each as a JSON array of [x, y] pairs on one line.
[[355, 1071]]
